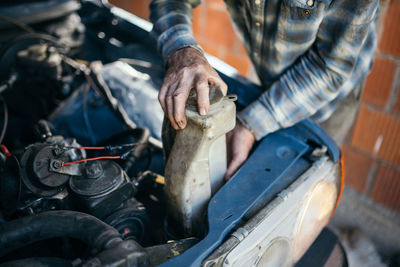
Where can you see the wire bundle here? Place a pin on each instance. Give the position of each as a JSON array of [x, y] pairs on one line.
[[109, 148]]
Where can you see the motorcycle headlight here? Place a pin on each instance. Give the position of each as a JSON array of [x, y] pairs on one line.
[[280, 233]]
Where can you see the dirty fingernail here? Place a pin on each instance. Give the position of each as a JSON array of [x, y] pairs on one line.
[[202, 112], [181, 124]]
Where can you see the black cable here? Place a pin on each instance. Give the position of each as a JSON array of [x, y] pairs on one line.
[[19, 181], [3, 131], [17, 23], [149, 158], [61, 223]]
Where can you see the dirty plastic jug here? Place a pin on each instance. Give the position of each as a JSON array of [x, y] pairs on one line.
[[196, 161]]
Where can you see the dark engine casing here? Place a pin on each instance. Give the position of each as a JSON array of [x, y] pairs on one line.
[[102, 189], [99, 187]]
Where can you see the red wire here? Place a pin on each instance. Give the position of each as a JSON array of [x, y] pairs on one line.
[[5, 151], [90, 159]]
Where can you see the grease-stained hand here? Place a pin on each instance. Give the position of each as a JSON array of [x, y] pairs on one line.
[[187, 69], [239, 143]]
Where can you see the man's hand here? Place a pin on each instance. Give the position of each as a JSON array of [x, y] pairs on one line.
[[239, 142], [187, 69]]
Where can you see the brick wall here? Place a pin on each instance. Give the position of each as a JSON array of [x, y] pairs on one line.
[[372, 148], [372, 151]]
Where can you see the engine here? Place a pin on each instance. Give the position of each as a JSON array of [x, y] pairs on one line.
[[81, 150]]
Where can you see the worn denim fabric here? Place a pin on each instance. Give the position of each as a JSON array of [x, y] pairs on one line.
[[309, 54]]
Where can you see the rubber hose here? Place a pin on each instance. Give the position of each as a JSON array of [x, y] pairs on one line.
[[63, 223]]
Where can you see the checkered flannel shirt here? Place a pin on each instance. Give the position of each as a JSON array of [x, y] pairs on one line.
[[309, 54]]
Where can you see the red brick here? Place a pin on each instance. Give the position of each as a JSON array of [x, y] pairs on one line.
[[199, 21], [218, 2], [241, 63], [242, 50], [390, 38], [219, 28], [210, 48], [396, 107], [386, 188], [139, 8], [124, 4], [373, 128], [357, 165], [379, 82]]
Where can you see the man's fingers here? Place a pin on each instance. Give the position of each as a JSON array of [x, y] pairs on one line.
[[219, 83], [203, 101], [229, 172], [180, 96], [170, 109], [233, 166], [162, 95], [187, 68], [229, 152], [239, 142]]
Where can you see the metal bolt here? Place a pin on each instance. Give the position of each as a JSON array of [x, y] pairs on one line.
[[101, 35], [57, 164], [93, 170]]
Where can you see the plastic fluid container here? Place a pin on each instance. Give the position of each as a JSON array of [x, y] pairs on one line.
[[196, 161]]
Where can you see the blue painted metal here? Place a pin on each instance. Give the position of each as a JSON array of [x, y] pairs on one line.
[[274, 156]]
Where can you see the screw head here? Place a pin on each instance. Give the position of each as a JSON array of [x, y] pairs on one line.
[[57, 164]]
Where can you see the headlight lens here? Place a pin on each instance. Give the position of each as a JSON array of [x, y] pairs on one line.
[[314, 216], [275, 254]]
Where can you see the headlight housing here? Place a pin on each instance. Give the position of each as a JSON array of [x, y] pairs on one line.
[[283, 230], [314, 215]]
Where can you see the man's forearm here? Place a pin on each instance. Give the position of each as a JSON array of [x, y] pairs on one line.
[[172, 20]]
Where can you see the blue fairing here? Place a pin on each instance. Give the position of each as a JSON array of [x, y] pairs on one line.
[[278, 160]]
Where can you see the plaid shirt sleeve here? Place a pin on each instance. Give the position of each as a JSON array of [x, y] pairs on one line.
[[300, 84], [332, 66], [172, 25]]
